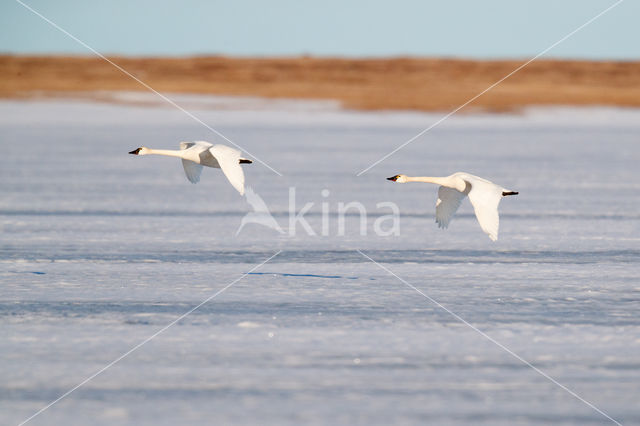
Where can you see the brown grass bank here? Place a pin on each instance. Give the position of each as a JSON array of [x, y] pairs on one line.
[[393, 83]]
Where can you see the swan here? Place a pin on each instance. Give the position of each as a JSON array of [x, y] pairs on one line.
[[200, 153], [483, 194]]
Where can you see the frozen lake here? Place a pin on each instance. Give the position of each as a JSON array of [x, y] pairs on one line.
[[99, 250]]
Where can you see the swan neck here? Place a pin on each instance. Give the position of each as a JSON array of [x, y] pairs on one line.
[[168, 152], [429, 179]]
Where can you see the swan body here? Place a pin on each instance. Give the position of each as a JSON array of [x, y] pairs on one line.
[[197, 154], [483, 194]]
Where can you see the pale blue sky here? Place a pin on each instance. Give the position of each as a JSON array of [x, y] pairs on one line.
[[454, 28]]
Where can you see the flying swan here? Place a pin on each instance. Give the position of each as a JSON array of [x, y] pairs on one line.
[[484, 196], [197, 154]]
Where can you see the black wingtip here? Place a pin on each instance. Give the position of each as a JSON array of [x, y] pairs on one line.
[[245, 161], [135, 151], [505, 193]]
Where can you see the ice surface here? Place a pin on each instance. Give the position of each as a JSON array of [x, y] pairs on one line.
[[100, 249]]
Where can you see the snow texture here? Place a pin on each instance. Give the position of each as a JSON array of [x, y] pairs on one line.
[[100, 249]]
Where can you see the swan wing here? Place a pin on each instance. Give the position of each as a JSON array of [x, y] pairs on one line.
[[229, 160], [449, 200], [192, 170], [485, 199], [200, 144]]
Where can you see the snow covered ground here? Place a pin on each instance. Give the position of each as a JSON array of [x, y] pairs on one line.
[[99, 250]]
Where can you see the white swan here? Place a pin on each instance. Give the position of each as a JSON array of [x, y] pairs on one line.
[[197, 154], [484, 196]]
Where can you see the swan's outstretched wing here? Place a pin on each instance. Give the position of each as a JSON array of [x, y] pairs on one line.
[[485, 200], [229, 160], [192, 170], [201, 144], [449, 200]]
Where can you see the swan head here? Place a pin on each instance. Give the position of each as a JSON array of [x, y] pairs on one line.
[[398, 178], [140, 151]]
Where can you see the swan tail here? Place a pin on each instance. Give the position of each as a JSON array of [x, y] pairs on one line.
[[505, 193]]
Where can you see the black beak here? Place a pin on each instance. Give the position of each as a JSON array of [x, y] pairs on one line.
[[393, 178], [135, 151]]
